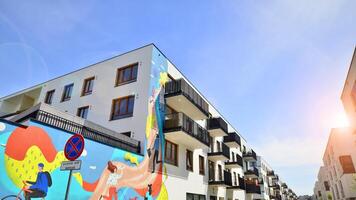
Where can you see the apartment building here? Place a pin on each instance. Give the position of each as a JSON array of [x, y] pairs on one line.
[[337, 178], [140, 96]]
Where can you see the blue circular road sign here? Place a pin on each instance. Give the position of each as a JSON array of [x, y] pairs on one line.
[[74, 147]]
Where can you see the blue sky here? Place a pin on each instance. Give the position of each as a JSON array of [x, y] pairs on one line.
[[275, 69]]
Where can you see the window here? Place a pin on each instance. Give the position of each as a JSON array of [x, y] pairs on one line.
[[126, 74], [211, 166], [67, 92], [233, 156], [235, 179], [128, 133], [49, 97], [171, 153], [201, 165], [220, 172], [191, 196], [327, 186], [189, 160], [83, 112], [122, 107], [88, 86], [347, 164]]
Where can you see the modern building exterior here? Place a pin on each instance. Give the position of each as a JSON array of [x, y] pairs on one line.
[[145, 104], [337, 178]]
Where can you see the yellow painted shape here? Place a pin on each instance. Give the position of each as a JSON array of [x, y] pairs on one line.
[[79, 178], [163, 194], [163, 78], [26, 169], [150, 123], [133, 159]]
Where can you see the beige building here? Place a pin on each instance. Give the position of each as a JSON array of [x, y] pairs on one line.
[[337, 178]]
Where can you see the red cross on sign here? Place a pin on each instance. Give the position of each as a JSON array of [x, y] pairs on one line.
[[74, 147]]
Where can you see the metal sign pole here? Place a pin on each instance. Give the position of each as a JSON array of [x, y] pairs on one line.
[[68, 184]]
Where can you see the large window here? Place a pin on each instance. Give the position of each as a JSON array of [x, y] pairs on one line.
[[88, 86], [347, 164], [83, 112], [327, 186], [67, 92], [201, 165], [189, 160], [191, 196], [49, 97], [126, 74], [122, 107], [171, 153]]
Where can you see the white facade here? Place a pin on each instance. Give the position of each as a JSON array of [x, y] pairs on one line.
[[181, 181]]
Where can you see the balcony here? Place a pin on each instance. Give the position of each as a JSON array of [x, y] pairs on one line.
[[232, 140], [183, 98], [179, 128], [252, 173], [217, 127], [224, 181], [253, 188], [249, 155], [270, 173], [240, 186], [234, 162], [221, 153], [273, 185]]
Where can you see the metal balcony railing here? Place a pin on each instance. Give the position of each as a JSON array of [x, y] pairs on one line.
[[252, 171], [250, 153], [253, 188], [226, 180], [215, 123], [233, 137], [221, 150], [180, 121], [89, 133], [237, 160], [180, 86]]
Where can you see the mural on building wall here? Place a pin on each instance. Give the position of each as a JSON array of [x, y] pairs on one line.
[[106, 172]]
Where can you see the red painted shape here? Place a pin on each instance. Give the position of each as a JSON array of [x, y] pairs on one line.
[[90, 187], [22, 139]]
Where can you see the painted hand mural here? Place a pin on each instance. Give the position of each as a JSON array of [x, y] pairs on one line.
[[114, 174]]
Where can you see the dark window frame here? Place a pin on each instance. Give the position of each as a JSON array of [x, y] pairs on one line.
[[85, 88], [173, 160], [119, 81], [79, 114], [201, 165], [116, 102], [195, 196], [66, 96], [189, 155], [49, 97]]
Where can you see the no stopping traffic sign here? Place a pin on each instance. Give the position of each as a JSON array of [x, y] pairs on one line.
[[74, 147]]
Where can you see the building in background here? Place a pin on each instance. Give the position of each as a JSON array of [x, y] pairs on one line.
[[142, 98], [337, 178]]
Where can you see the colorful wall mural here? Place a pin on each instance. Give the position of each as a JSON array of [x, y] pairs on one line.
[[106, 172]]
